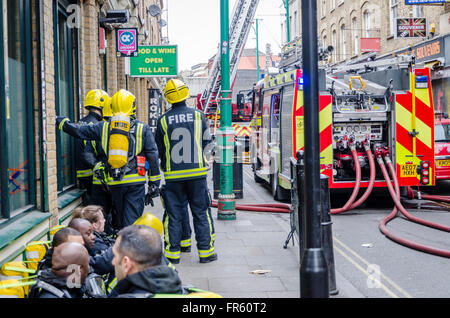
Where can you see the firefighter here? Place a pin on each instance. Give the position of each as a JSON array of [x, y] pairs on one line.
[[124, 144], [100, 192], [95, 102], [182, 136]]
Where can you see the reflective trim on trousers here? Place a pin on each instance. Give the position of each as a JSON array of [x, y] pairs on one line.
[[205, 253], [171, 255], [186, 243]]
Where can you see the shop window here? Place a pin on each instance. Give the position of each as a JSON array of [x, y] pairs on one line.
[[17, 160], [65, 70]]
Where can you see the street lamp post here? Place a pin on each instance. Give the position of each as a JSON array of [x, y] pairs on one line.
[[288, 27], [313, 269], [225, 138]]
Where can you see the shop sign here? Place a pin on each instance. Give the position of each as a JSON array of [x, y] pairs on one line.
[[411, 27], [155, 61], [127, 42]]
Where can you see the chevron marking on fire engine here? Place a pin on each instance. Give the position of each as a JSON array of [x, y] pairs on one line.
[[326, 135], [425, 134]]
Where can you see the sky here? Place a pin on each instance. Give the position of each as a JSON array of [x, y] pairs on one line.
[[194, 25]]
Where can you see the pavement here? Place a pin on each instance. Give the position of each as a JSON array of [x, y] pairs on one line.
[[252, 262]]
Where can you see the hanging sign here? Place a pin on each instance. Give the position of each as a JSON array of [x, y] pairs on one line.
[[127, 42]]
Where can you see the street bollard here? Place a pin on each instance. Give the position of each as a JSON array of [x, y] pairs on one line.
[[327, 235]]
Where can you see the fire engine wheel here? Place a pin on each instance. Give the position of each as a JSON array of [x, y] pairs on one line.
[[255, 176], [275, 187]]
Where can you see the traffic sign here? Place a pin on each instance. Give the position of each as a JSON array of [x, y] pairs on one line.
[[127, 42]]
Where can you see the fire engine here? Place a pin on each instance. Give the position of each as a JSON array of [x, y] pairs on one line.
[[442, 144], [382, 109]]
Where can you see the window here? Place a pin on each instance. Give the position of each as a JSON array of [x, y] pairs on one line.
[[17, 160], [355, 36], [334, 39], [324, 8], [332, 5], [295, 24], [393, 15], [343, 43], [65, 70], [417, 11], [367, 24]]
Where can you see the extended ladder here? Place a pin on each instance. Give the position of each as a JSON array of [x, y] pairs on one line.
[[240, 23]]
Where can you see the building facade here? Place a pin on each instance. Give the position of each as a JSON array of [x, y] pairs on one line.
[[52, 52]]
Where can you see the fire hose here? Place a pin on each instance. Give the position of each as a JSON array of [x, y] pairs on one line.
[[413, 194], [395, 194], [350, 201], [264, 207]]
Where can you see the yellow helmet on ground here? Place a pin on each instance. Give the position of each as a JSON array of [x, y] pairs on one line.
[[176, 91], [107, 110], [96, 98], [148, 219], [123, 102]]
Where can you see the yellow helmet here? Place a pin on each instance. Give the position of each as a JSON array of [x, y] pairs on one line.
[[148, 219], [123, 102], [176, 91], [107, 110], [96, 98]]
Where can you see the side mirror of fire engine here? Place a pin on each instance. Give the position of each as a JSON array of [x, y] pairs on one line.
[[240, 100]]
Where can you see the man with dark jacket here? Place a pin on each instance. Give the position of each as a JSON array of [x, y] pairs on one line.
[[138, 265], [65, 279], [182, 136], [95, 101]]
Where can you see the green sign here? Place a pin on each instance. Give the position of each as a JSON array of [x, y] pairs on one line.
[[155, 61]]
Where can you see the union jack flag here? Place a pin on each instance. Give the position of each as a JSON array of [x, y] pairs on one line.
[[412, 28]]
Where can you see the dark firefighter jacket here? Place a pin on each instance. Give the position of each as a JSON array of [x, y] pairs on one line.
[[181, 137], [156, 280], [84, 169], [141, 143], [53, 287]]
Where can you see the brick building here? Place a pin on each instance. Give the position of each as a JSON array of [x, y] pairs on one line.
[[53, 55]]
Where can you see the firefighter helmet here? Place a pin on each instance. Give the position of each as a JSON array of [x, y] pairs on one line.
[[151, 221], [107, 111], [96, 98], [176, 91], [123, 102]]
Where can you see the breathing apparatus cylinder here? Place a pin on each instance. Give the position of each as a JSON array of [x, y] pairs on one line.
[[118, 141]]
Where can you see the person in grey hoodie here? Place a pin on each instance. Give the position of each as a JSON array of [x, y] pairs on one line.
[[139, 266]]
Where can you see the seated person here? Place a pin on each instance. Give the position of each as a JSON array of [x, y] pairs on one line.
[[95, 215], [65, 279], [138, 265], [64, 235], [87, 232]]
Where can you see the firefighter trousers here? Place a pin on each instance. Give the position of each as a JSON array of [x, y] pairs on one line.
[[177, 196], [86, 184], [129, 202], [186, 231], [101, 197]]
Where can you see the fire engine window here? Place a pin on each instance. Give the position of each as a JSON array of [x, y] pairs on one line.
[[276, 104], [442, 132]]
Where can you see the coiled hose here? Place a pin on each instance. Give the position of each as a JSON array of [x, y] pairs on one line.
[[395, 194]]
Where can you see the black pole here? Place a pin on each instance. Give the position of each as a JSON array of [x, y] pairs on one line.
[[327, 233], [313, 268]]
